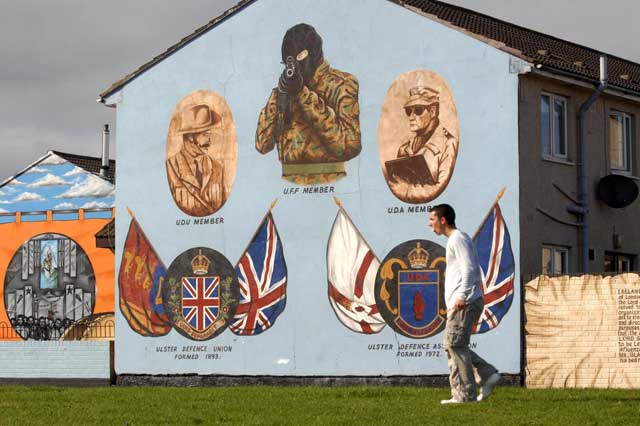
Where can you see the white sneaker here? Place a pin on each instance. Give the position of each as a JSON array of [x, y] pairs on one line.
[[488, 386], [453, 401]]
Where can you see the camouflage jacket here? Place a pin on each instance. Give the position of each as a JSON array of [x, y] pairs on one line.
[[324, 130]]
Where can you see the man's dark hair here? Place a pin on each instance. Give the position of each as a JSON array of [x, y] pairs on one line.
[[446, 211]]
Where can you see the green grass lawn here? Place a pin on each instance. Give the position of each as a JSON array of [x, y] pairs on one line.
[[259, 405]]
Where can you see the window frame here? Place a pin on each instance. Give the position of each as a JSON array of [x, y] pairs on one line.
[[627, 143], [552, 127], [553, 250], [616, 258]]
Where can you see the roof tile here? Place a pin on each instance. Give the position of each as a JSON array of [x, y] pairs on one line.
[[90, 164], [559, 55]]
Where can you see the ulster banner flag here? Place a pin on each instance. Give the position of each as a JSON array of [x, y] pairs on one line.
[[140, 282], [262, 276], [493, 244], [351, 272]]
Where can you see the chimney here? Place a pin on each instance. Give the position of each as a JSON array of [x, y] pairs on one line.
[[105, 152], [603, 69]]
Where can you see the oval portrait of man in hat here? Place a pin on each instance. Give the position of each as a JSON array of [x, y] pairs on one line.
[[418, 136], [202, 150]]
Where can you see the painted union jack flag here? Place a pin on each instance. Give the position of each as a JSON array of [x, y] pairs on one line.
[[200, 301], [262, 275], [493, 244]]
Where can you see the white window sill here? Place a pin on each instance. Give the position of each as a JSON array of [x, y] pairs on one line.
[[557, 160], [623, 173]]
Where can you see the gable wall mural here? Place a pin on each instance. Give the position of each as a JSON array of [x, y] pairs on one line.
[[56, 284], [277, 173]]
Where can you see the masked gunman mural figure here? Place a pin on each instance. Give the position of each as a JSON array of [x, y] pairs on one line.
[[418, 168], [312, 116]]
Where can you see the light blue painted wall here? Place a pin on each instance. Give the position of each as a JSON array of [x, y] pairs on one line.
[[376, 41]]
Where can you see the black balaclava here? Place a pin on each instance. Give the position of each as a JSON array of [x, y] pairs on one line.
[[299, 38]]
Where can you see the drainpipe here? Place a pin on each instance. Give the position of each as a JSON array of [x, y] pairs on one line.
[[583, 180], [105, 152]]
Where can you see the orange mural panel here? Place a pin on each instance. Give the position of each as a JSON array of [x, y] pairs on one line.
[[52, 272]]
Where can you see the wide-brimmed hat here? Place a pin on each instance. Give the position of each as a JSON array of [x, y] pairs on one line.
[[422, 95], [198, 118]]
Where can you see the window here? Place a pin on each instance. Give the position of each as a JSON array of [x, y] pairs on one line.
[[555, 260], [620, 141], [617, 262], [553, 126]]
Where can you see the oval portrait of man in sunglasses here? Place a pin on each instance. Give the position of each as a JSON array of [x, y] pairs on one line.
[[202, 151], [418, 136]]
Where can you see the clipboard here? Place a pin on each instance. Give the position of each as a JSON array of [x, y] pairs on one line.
[[413, 170]]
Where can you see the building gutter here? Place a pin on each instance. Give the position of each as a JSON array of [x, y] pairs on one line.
[[567, 77], [583, 179]]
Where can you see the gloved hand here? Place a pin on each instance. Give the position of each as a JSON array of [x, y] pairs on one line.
[[290, 84]]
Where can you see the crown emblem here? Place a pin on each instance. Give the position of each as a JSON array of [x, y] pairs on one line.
[[418, 257], [200, 264]]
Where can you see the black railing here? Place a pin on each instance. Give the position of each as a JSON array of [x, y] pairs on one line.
[[29, 328]]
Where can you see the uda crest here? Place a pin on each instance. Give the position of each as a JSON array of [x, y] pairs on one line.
[[201, 294], [410, 288]]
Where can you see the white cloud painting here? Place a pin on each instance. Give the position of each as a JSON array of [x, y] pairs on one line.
[[28, 196], [92, 186], [53, 160], [48, 180], [95, 205], [64, 206], [76, 171], [38, 170], [58, 185]]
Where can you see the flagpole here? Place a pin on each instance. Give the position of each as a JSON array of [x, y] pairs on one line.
[[144, 235], [271, 206], [498, 198], [339, 204]]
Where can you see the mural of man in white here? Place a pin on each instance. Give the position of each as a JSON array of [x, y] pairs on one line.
[[49, 269]]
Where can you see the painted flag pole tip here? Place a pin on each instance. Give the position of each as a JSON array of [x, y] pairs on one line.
[[498, 198], [273, 204], [131, 213], [338, 203], [501, 194]]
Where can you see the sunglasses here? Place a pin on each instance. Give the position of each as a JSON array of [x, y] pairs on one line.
[[416, 109]]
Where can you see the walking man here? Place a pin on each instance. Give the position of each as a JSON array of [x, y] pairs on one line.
[[465, 303]]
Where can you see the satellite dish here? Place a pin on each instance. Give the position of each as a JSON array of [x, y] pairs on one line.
[[617, 191]]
